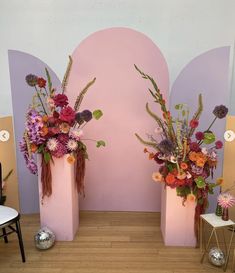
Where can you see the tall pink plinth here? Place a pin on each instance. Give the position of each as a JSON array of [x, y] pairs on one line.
[[60, 211], [177, 221]]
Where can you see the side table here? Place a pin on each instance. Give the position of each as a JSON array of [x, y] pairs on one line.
[[216, 223]]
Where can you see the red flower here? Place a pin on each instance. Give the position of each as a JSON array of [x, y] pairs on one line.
[[199, 136], [61, 100], [193, 123], [218, 144], [194, 147], [67, 114], [157, 159], [41, 83]]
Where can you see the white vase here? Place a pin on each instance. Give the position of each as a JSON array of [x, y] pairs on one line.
[[177, 221], [60, 211]]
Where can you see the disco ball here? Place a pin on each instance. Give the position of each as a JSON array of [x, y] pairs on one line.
[[44, 238], [216, 256]]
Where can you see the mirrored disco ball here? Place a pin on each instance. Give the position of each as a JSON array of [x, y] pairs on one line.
[[44, 238], [216, 256]]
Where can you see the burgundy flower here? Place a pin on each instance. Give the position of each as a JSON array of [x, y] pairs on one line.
[[218, 144], [31, 80], [63, 138], [61, 100], [56, 114], [67, 114], [220, 111], [194, 147], [199, 135], [158, 160], [193, 123], [41, 83]]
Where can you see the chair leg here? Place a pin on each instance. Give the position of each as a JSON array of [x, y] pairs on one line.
[[18, 230], [5, 235]]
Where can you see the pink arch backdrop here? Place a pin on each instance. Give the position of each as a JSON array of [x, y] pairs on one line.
[[118, 176]]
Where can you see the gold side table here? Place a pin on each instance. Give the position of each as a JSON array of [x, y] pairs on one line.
[[216, 223]]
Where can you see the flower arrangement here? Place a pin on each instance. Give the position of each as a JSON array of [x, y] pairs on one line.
[[54, 129], [186, 157]]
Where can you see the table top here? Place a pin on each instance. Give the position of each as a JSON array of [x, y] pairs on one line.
[[216, 221]]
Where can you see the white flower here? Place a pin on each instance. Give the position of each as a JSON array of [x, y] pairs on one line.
[[72, 145], [204, 151], [52, 144], [75, 133]]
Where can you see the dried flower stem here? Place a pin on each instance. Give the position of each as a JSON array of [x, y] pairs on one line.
[[148, 143], [66, 76]]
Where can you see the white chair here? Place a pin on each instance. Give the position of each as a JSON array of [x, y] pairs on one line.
[[10, 222]]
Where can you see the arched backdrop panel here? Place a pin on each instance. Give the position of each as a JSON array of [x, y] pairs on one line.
[[207, 74], [20, 65], [118, 177]]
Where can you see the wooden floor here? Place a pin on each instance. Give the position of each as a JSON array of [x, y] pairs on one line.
[[107, 242]]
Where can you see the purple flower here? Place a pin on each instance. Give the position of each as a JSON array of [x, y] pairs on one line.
[[220, 111], [166, 146], [86, 115], [60, 150], [31, 80]]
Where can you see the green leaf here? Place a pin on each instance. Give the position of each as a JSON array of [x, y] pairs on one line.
[[177, 106], [49, 80], [41, 148], [208, 138], [47, 157], [97, 114], [200, 182], [183, 113], [100, 143]]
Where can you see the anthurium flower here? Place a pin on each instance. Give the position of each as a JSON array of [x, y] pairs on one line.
[[209, 138], [200, 182]]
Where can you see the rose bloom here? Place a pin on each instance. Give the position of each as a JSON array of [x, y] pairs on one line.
[[193, 123], [61, 100], [67, 114], [194, 147]]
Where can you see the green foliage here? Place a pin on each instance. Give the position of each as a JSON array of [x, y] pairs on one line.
[[97, 114], [100, 143], [49, 81], [208, 138], [183, 191], [47, 157]]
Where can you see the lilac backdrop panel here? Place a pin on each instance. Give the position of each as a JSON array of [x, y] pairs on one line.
[[206, 74], [21, 64]]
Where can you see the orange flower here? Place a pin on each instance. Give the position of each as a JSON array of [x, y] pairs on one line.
[[71, 159], [184, 166], [157, 177], [219, 181], [33, 147], [193, 156], [200, 162], [170, 179], [151, 156], [64, 127], [45, 118], [191, 197], [146, 150], [44, 131], [201, 156]]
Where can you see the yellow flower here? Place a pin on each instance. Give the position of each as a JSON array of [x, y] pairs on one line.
[[71, 159], [157, 177], [219, 181], [200, 162], [191, 197]]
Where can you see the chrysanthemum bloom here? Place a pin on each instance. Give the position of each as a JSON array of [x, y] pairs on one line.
[[71, 159], [226, 200], [194, 147], [157, 177], [60, 150], [200, 162], [72, 145], [63, 138], [31, 80], [52, 144], [218, 144], [193, 156], [41, 83], [220, 111], [193, 123], [64, 127], [199, 136]]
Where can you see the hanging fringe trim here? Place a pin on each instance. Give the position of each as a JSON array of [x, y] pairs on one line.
[[80, 166], [46, 179]]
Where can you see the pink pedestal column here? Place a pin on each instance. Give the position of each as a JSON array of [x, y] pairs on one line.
[[177, 221], [60, 211]]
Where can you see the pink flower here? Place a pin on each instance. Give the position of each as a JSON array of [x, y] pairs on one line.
[[60, 150], [193, 123], [199, 135], [226, 200], [194, 147], [61, 100], [218, 144], [67, 114]]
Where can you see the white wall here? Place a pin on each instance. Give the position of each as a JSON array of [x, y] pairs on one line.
[[181, 28]]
